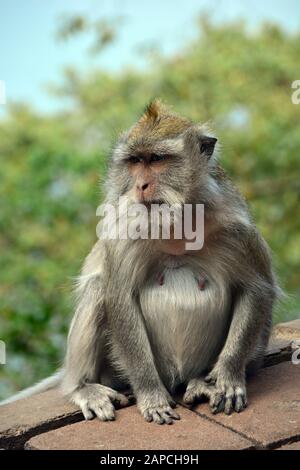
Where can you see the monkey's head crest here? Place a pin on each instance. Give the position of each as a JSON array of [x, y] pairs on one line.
[[154, 110], [159, 121]]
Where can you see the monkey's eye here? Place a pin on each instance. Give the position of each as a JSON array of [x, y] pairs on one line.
[[156, 158], [134, 160]]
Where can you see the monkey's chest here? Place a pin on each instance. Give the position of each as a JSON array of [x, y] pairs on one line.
[[186, 316]]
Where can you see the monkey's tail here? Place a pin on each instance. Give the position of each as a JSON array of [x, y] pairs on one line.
[[46, 384]]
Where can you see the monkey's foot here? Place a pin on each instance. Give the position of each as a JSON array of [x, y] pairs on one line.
[[196, 389], [96, 399], [228, 392], [158, 408], [223, 395]]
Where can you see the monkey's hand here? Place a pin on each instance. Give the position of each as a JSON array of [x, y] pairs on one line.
[[96, 399], [157, 407], [225, 393]]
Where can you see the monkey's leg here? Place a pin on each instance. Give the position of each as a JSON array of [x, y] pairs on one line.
[[225, 385], [85, 356], [133, 352], [252, 313]]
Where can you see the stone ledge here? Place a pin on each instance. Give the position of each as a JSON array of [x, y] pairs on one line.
[[25, 418], [131, 432], [22, 420], [273, 415], [279, 350], [289, 330]]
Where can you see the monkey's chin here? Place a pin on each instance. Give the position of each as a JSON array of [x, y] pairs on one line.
[[153, 202]]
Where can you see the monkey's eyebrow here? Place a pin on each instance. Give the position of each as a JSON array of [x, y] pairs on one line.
[[120, 153], [169, 146]]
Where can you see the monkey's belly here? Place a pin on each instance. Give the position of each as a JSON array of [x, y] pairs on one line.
[[186, 320]]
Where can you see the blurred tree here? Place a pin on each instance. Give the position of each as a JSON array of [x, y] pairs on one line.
[[103, 31], [50, 168]]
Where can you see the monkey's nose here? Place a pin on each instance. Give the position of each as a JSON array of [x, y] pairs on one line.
[[145, 186], [142, 187], [144, 190]]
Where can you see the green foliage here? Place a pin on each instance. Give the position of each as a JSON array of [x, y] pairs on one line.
[[50, 168]]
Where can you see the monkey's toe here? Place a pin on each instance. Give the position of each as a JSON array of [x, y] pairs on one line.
[[119, 399], [191, 396], [196, 390], [161, 415]]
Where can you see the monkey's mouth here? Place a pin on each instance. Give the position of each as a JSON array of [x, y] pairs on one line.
[[149, 203], [152, 202]]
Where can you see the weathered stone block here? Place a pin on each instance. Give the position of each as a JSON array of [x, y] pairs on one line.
[[289, 330], [131, 432], [25, 418], [273, 414]]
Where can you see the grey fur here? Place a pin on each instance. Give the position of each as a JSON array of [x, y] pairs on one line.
[[129, 330]]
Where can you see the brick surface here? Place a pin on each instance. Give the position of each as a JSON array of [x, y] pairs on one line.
[[292, 446], [131, 432], [273, 414], [289, 330], [42, 411]]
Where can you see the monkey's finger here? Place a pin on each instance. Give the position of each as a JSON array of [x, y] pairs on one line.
[[116, 396], [229, 400], [157, 418], [219, 408], [215, 399], [105, 413], [99, 413], [148, 417], [228, 408], [192, 395], [167, 418], [131, 399], [87, 413], [172, 403], [119, 398], [173, 414], [189, 397], [240, 403], [218, 404]]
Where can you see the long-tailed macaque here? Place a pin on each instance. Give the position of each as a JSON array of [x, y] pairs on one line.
[[152, 315]]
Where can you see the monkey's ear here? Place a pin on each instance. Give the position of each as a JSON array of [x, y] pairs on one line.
[[207, 145]]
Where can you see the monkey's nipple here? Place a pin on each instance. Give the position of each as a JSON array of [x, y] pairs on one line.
[[160, 279]]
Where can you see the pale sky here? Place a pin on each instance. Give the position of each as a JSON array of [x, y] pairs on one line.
[[31, 56]]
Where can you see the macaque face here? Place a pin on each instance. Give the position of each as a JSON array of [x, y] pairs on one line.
[[152, 170], [162, 158]]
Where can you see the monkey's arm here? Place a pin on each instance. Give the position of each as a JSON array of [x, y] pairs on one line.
[[86, 346], [85, 339]]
